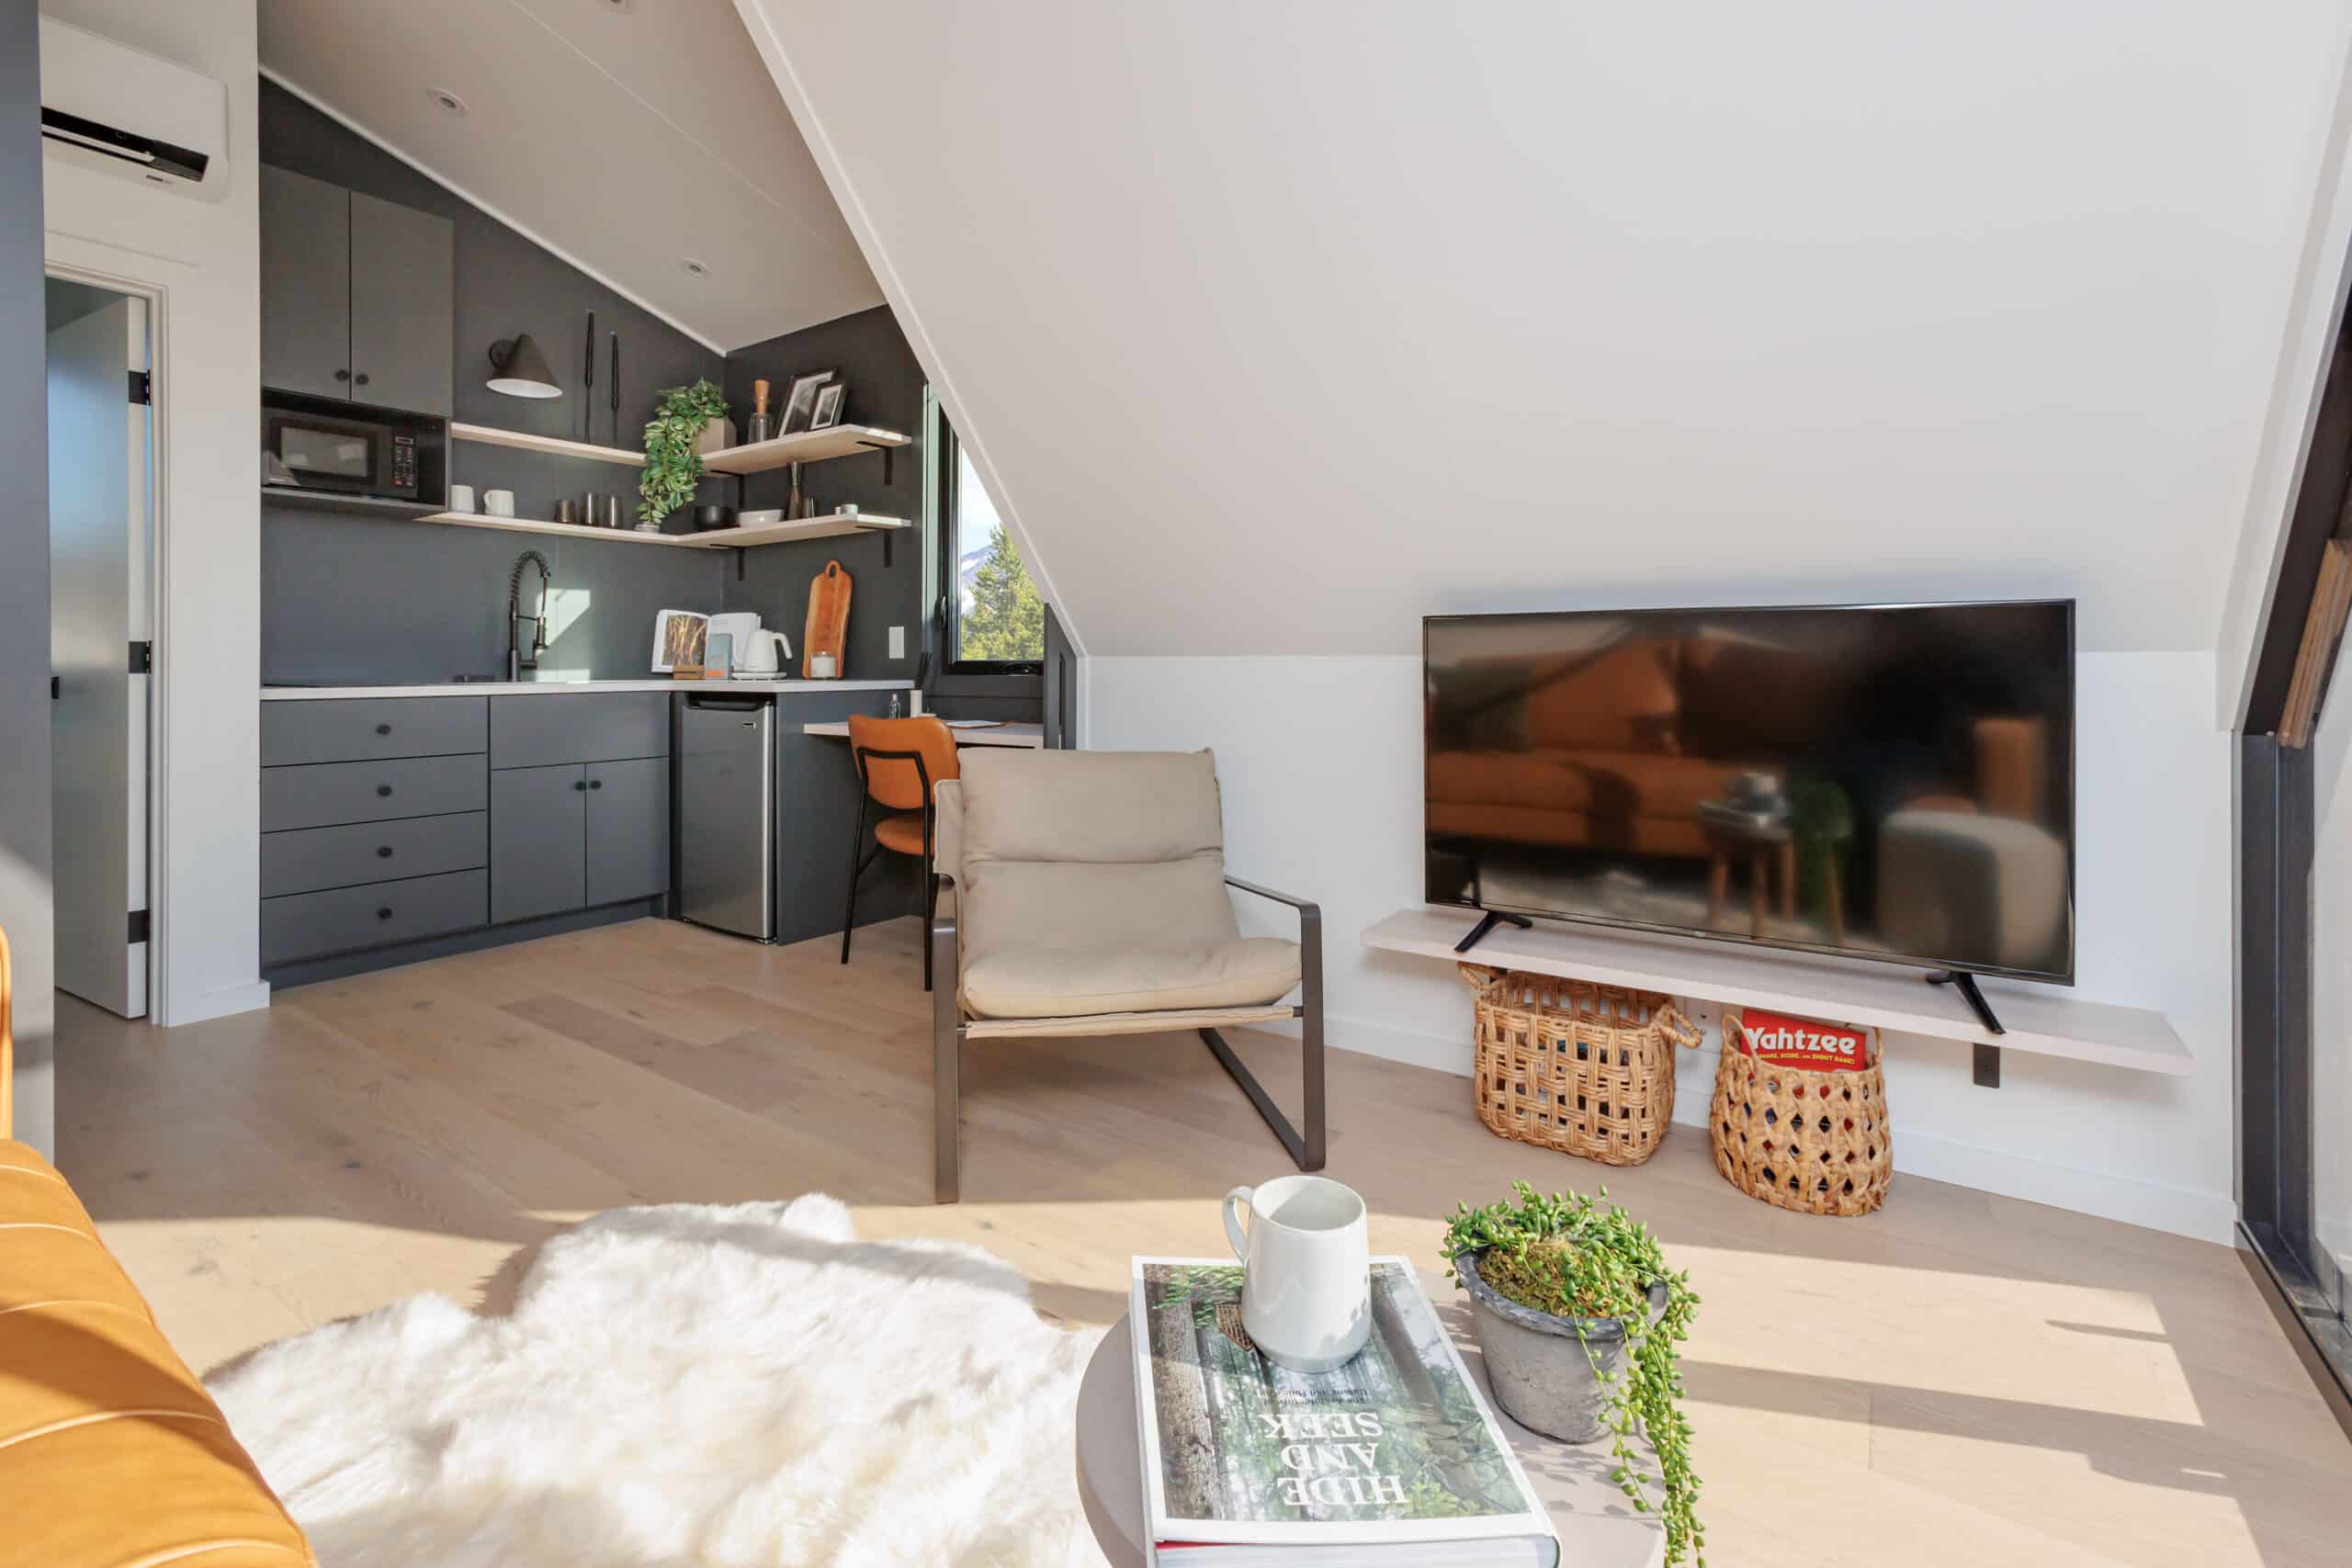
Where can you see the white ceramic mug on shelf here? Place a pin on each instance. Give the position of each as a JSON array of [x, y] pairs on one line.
[[498, 503], [461, 498], [1307, 1270]]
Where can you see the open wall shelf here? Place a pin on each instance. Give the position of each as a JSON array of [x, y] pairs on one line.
[[809, 447], [827, 527], [553, 446], [2043, 1021]]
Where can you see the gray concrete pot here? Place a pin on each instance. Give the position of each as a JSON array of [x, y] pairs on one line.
[[1541, 1372]]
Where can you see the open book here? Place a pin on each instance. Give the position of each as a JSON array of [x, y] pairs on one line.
[[1394, 1460]]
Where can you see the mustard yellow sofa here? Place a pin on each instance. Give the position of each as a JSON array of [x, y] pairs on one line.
[[112, 1453]]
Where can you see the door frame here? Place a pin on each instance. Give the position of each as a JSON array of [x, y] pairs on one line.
[[75, 260]]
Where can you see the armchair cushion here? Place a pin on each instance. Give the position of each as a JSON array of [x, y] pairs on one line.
[[1061, 852], [1065, 983]]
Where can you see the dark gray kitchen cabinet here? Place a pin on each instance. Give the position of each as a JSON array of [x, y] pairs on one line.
[[305, 284], [356, 296], [629, 829], [538, 830], [402, 321]]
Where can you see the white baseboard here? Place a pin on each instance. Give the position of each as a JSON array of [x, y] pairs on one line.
[[2206, 1216], [250, 997]]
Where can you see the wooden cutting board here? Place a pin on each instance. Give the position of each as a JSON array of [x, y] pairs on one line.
[[828, 626]]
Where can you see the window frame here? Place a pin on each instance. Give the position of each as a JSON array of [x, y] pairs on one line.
[[969, 677]]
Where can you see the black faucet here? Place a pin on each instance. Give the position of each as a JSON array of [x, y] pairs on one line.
[[516, 660]]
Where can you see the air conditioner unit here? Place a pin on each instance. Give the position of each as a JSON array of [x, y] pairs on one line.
[[108, 106]]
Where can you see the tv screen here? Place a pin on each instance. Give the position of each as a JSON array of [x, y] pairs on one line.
[[1892, 781]]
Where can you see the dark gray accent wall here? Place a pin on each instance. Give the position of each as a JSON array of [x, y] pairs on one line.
[[886, 388], [26, 911], [358, 599], [352, 596]]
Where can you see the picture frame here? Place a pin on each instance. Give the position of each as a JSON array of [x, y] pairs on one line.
[[800, 402], [828, 412], [678, 640]]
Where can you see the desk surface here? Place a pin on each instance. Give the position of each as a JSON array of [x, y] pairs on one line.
[[1029, 735]]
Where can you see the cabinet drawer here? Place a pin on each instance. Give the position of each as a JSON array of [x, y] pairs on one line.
[[539, 732], [324, 794], [308, 925], [309, 859], [364, 728]]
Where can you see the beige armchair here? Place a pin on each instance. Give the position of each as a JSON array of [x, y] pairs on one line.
[[1090, 897]]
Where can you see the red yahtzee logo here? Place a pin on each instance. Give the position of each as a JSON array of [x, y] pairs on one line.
[[1788, 1042]]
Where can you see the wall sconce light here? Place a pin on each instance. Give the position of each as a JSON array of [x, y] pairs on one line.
[[521, 369]]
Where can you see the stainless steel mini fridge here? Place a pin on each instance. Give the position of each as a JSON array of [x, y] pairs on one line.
[[727, 813]]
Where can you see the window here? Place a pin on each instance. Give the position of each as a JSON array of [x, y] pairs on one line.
[[992, 620]]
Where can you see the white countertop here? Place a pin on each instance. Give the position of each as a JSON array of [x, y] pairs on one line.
[[543, 688], [1008, 734]]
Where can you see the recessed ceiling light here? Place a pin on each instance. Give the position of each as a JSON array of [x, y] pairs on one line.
[[446, 101], [695, 266], [620, 5]]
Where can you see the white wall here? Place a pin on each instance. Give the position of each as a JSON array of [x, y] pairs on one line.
[[1324, 326], [1320, 761], [205, 256]]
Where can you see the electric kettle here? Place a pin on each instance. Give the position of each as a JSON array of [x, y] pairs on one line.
[[761, 654]]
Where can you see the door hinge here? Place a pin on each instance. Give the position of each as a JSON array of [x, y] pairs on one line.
[[138, 925], [142, 387], [56, 687], [142, 659]]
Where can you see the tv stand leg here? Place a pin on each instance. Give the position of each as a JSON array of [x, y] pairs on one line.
[[1488, 920], [1987, 1066]]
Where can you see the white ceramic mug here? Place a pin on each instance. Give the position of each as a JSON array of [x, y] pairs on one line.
[[1307, 1270], [498, 503], [461, 498]]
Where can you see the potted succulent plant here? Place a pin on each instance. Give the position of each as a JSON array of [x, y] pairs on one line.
[[1577, 1318], [672, 460]]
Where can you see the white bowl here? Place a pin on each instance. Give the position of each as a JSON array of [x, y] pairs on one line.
[[758, 516]]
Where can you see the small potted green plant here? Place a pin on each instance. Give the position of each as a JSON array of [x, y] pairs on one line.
[[673, 466], [1579, 1317]]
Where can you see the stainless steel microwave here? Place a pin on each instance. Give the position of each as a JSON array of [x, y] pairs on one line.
[[352, 451]]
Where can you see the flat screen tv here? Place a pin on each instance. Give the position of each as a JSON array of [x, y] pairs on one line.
[[1877, 781]]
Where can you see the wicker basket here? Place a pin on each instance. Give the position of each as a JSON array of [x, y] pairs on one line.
[[1814, 1142], [1583, 1068]]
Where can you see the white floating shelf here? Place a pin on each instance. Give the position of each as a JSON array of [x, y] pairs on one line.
[[2040, 1019], [832, 525], [553, 446], [540, 525], [809, 447]]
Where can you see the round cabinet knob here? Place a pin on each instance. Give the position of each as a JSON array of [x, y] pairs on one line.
[[383, 851], [361, 379], [383, 729], [385, 913], [595, 784], [383, 789], [579, 783], [343, 375]]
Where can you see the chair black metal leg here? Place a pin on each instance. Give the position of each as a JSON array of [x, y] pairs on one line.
[[1306, 1152], [946, 1059], [930, 914], [857, 842]]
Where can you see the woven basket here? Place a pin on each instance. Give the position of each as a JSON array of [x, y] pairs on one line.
[[1570, 1065], [1814, 1142]]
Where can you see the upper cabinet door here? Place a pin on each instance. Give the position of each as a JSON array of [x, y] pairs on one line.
[[306, 285], [402, 316]]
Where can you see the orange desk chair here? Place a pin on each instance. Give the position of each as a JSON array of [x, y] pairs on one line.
[[900, 762]]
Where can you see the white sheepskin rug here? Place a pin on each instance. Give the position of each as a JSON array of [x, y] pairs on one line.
[[687, 1386]]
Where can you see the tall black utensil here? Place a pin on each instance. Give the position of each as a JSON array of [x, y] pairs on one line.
[[616, 389], [588, 382]]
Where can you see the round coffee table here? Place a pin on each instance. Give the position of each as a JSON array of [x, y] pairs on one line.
[[1598, 1527]]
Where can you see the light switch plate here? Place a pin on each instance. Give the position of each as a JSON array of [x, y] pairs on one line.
[[898, 642]]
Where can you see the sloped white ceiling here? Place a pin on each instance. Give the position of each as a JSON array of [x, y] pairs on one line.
[[1281, 325], [629, 135]]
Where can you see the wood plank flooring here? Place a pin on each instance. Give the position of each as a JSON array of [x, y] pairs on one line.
[[1960, 1379]]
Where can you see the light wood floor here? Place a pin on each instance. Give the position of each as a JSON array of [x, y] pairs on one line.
[[1960, 1379]]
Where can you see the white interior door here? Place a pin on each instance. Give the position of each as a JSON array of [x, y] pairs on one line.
[[99, 501]]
